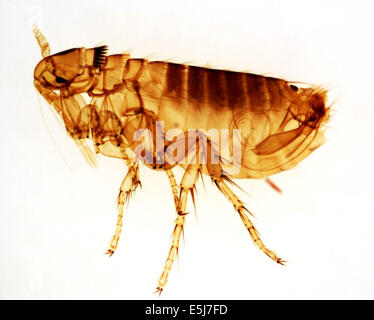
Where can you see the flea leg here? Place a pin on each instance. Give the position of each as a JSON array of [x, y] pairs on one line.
[[48, 94], [187, 185], [238, 205], [86, 152], [174, 187], [128, 186]]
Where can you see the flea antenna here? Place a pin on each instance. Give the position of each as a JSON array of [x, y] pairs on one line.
[[42, 41]]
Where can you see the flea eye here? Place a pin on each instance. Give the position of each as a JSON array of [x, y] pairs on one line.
[[294, 88], [60, 80]]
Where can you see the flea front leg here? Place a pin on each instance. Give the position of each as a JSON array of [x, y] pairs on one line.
[[128, 186], [187, 185], [48, 94], [239, 207]]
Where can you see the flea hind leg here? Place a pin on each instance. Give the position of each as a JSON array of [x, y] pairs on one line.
[[174, 187], [239, 207], [187, 185], [128, 186]]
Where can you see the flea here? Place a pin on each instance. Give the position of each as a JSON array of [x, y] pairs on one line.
[[223, 124]]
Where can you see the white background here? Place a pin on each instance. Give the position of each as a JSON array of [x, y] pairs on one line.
[[57, 216]]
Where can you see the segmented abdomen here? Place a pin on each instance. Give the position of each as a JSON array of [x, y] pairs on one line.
[[220, 88], [279, 122]]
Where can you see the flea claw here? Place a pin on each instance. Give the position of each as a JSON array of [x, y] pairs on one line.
[[159, 291], [109, 252], [281, 261]]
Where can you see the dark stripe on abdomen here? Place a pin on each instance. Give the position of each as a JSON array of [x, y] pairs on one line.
[[235, 90], [175, 78], [195, 85], [257, 91]]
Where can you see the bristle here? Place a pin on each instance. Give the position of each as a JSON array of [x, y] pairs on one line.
[[100, 56]]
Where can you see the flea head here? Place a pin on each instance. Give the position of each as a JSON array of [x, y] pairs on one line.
[[72, 69]]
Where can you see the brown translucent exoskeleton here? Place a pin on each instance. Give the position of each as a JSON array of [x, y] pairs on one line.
[[243, 125]]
